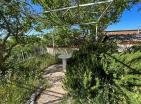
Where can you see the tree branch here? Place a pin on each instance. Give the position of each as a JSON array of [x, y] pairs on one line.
[[9, 51], [8, 28]]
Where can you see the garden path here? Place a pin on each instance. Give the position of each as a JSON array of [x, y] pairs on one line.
[[55, 93]]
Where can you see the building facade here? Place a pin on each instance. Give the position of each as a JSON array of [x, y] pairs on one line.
[[125, 38]]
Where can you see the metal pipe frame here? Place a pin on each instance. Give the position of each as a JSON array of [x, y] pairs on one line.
[[82, 5], [100, 15], [139, 29]]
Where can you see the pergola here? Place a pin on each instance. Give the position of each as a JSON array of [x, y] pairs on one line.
[[86, 5], [65, 57], [81, 5]]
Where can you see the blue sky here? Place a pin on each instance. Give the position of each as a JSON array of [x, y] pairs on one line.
[[130, 19]]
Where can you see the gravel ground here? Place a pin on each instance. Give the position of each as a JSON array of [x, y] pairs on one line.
[[55, 93]]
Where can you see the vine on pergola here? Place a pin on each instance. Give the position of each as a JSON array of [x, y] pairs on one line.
[[81, 15]]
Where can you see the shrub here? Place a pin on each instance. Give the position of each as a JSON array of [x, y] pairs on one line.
[[96, 75], [23, 78]]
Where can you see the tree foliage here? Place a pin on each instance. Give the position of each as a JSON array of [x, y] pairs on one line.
[[16, 19], [82, 15], [64, 37]]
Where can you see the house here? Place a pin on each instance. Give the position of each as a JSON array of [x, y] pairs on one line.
[[125, 38]]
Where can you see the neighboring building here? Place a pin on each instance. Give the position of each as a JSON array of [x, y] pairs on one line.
[[125, 38], [124, 35]]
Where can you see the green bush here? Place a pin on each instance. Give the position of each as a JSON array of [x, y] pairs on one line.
[[97, 74], [134, 48], [23, 78]]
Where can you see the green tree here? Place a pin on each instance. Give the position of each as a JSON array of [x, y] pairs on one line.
[[16, 18], [64, 37]]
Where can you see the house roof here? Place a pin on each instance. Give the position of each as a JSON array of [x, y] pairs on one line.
[[122, 32], [125, 37]]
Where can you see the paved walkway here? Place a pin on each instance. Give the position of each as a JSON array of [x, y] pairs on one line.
[[52, 95]]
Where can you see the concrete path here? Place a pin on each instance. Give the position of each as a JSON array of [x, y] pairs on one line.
[[52, 95]]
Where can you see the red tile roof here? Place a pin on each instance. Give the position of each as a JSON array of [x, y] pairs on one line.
[[125, 37], [122, 32]]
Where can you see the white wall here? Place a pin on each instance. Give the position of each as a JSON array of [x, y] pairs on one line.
[[61, 50], [124, 47]]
